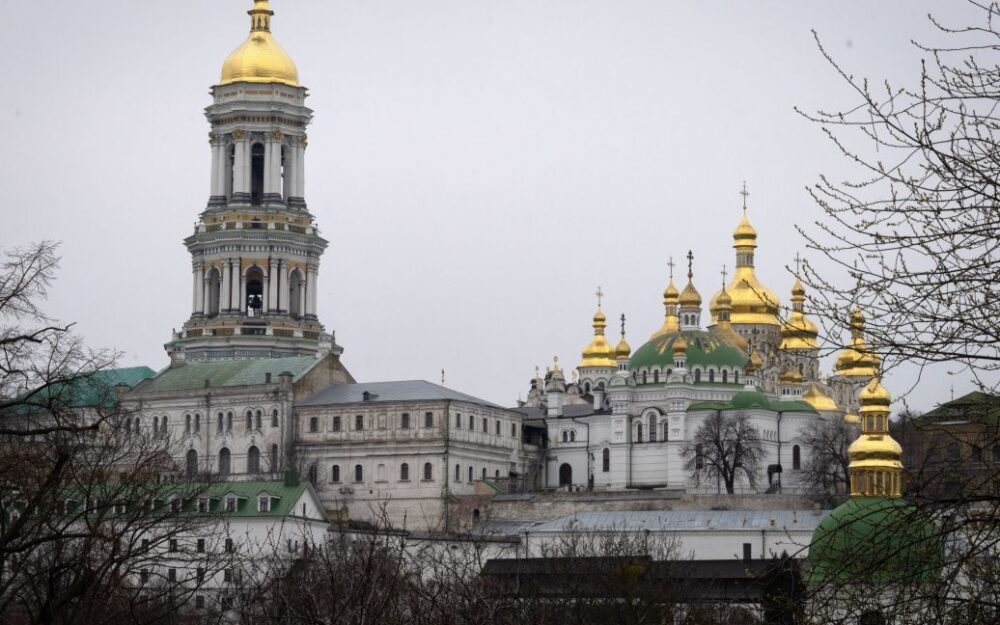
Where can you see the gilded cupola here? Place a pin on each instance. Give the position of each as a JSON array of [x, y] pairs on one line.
[[723, 328], [875, 457], [815, 397], [753, 303], [671, 299], [623, 349], [260, 59], [799, 332], [857, 359], [599, 353]]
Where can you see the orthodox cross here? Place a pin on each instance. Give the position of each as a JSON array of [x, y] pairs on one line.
[[690, 260], [670, 263], [599, 294], [798, 262], [723, 277], [744, 193], [623, 325], [442, 377]]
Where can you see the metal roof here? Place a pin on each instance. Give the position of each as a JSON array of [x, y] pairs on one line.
[[195, 375], [669, 520], [404, 390]]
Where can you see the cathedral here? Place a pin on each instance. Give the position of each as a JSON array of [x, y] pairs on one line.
[[627, 419]]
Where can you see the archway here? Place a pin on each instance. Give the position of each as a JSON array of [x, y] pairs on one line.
[[214, 291], [296, 294], [224, 460], [255, 291], [253, 460], [565, 475], [257, 174], [192, 463]]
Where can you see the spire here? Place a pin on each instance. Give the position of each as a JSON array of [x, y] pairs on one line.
[[876, 467], [260, 59]]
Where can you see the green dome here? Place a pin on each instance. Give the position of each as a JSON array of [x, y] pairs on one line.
[[750, 399], [703, 349], [874, 540]]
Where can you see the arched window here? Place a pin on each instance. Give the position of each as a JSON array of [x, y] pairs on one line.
[[254, 285], [643, 377], [249, 424], [496, 474], [498, 427], [257, 174], [472, 475], [313, 474], [697, 375], [606, 460], [404, 421], [229, 421], [572, 436], [260, 416], [163, 424], [565, 475], [565, 436], [187, 424], [335, 473], [711, 375], [652, 428], [725, 376], [156, 424], [472, 423], [638, 433], [192, 463], [458, 473], [224, 459], [274, 459], [796, 458], [484, 473], [404, 472], [428, 471], [274, 418], [359, 473], [253, 460], [137, 425], [736, 377], [513, 430], [656, 376], [197, 422]]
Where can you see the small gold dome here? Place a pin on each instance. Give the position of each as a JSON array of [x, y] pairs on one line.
[[598, 353], [753, 303], [874, 398], [819, 400], [690, 296], [670, 296], [680, 346], [857, 359], [623, 349], [745, 233], [670, 293], [260, 59], [852, 419], [755, 363], [790, 376], [799, 332]]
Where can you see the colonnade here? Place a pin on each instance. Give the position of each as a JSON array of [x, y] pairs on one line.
[[280, 283], [231, 178]]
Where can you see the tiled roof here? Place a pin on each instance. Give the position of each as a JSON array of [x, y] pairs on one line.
[[405, 390], [193, 375]]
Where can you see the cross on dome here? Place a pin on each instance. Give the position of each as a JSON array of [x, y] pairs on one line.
[[600, 295], [690, 261], [670, 263], [745, 194]]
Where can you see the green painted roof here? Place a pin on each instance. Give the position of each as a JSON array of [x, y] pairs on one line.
[[92, 390], [192, 375], [974, 406], [703, 349], [874, 540], [283, 497], [748, 400]]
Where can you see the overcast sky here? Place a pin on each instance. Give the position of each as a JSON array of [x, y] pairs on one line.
[[479, 167]]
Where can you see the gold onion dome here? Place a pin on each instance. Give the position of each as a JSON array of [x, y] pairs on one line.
[[723, 328], [875, 456], [690, 297], [623, 349], [799, 332], [755, 363], [670, 302], [819, 400], [680, 345], [752, 301], [857, 359], [260, 59], [790, 376], [598, 353]]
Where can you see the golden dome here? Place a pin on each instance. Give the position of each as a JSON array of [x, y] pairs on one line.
[[623, 349], [799, 332], [752, 301], [260, 59], [598, 353], [875, 456], [723, 328], [790, 376], [857, 360], [690, 297], [755, 363], [670, 297], [852, 419], [874, 398], [819, 400], [680, 346]]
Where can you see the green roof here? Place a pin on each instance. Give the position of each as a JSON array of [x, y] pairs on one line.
[[748, 400], [91, 390], [874, 540], [703, 349], [283, 497], [976, 405], [194, 375]]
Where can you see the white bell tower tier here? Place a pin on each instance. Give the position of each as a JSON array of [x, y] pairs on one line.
[[255, 250]]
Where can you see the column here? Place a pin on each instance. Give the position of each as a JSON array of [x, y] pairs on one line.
[[241, 167], [272, 293], [272, 167], [199, 287], [265, 289], [214, 190], [221, 168], [302, 298], [243, 289], [227, 280], [285, 291], [311, 288], [295, 178], [291, 167], [206, 296]]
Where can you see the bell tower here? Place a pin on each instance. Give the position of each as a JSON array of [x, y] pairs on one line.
[[255, 249]]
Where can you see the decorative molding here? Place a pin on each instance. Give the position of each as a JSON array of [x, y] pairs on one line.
[[239, 134]]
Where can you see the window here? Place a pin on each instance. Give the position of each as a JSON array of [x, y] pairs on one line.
[[200, 576], [187, 424], [652, 428], [606, 460], [192, 463], [203, 504], [498, 427], [736, 377], [638, 433], [197, 422], [313, 475], [484, 473], [977, 454], [404, 472], [513, 430], [172, 545], [335, 426], [572, 436], [231, 504], [229, 421], [274, 458], [699, 457], [711, 375], [428, 471], [428, 419], [796, 458], [954, 452], [274, 418], [144, 575], [229, 546], [335, 473], [172, 575], [224, 458], [404, 421], [472, 475], [458, 420], [221, 425], [199, 600], [260, 417], [656, 376], [313, 424], [249, 424], [359, 473], [458, 473], [996, 453], [486, 425], [565, 436], [472, 423], [725, 376], [253, 459], [201, 545], [697, 375], [145, 544], [747, 552], [359, 422], [263, 503], [227, 575]]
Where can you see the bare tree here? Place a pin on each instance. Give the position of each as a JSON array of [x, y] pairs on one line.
[[918, 228], [826, 472], [726, 448]]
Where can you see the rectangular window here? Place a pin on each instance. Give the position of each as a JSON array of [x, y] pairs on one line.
[[202, 504], [144, 575], [513, 430], [313, 424], [428, 419], [201, 545], [472, 423], [336, 424], [199, 602], [227, 575], [263, 504], [359, 422], [200, 574], [172, 546], [404, 421], [230, 548], [458, 420], [145, 544], [230, 504], [172, 575], [746, 552]]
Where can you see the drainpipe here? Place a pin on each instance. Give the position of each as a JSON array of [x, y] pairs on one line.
[[447, 465]]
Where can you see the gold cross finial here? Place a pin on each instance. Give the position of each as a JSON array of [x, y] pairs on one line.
[[744, 193], [690, 261], [670, 263], [600, 295], [798, 264], [723, 277], [623, 325]]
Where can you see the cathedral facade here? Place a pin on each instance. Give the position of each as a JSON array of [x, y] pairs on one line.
[[629, 420]]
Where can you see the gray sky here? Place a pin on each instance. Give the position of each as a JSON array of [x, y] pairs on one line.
[[479, 167]]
